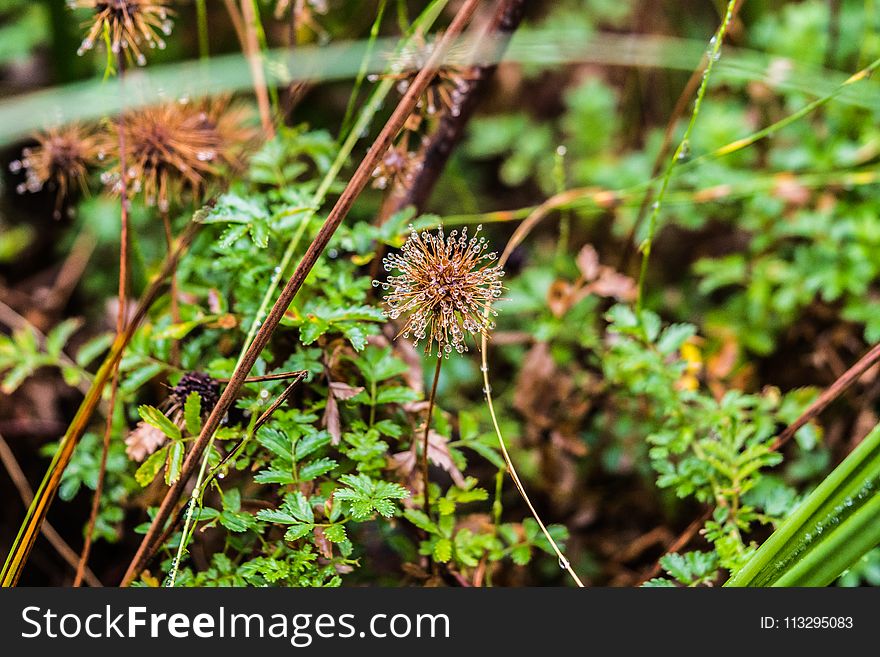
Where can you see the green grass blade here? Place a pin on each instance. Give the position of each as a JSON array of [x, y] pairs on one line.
[[831, 529]]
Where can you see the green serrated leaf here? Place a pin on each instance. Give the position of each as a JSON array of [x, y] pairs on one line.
[[443, 550], [297, 531], [148, 470], [176, 452], [316, 468], [156, 418], [93, 348], [335, 533], [421, 520], [192, 413], [58, 336]]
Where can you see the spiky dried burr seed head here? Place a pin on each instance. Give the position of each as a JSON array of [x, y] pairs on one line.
[[61, 159], [128, 25], [207, 388], [445, 286], [397, 167], [180, 145], [447, 87]]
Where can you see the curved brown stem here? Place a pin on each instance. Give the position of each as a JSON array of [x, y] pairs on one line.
[[7, 457], [832, 392]]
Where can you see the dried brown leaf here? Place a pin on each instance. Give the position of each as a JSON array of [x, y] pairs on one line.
[[588, 262], [142, 441]]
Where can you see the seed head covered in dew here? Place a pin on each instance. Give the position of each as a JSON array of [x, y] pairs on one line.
[[128, 25], [445, 286], [61, 158]]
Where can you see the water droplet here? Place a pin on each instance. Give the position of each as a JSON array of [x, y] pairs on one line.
[[684, 150]]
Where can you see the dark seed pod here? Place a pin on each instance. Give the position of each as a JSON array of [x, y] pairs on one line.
[[207, 388]]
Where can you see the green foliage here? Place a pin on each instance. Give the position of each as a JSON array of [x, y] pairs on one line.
[[688, 569], [23, 353], [826, 533]]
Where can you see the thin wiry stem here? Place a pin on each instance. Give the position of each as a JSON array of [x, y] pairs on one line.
[[426, 479], [193, 502], [202, 20], [255, 61], [511, 469], [362, 71], [681, 104], [681, 150], [202, 483], [564, 563], [355, 186], [175, 303], [122, 299], [360, 126]]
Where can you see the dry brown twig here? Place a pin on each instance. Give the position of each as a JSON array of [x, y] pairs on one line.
[[122, 300], [255, 61]]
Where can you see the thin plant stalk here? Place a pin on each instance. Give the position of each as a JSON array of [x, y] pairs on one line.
[[202, 482], [202, 22], [7, 457], [175, 303], [191, 505], [690, 88], [355, 186], [426, 479], [255, 61], [263, 45], [681, 150], [122, 299], [831, 393], [511, 469]]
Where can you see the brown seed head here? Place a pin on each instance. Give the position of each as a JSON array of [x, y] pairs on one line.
[[233, 124], [199, 382], [60, 159], [180, 145], [397, 167], [445, 90], [128, 25], [445, 286]]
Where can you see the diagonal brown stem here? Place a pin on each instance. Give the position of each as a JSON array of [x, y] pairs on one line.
[[340, 210], [175, 303], [122, 299], [255, 61]]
